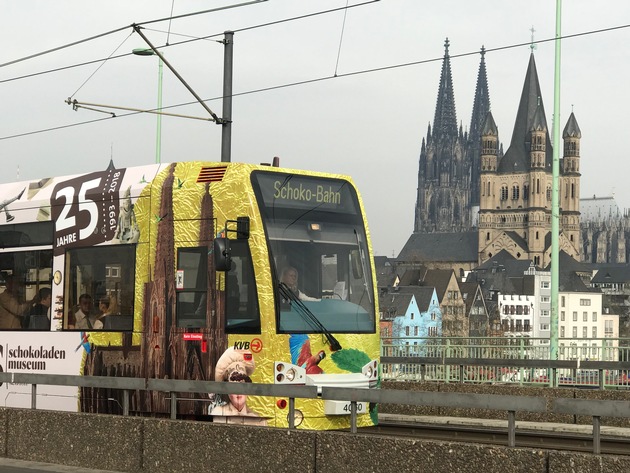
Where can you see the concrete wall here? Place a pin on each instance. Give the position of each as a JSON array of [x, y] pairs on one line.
[[139, 445]]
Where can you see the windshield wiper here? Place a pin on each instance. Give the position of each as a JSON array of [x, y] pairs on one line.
[[308, 316], [363, 265]]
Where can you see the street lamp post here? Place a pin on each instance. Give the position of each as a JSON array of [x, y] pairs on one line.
[[226, 125], [158, 138]]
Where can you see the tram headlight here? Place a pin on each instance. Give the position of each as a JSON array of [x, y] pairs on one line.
[[298, 417], [290, 374], [286, 373], [370, 371]]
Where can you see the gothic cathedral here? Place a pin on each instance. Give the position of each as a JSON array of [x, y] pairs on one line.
[[465, 182]]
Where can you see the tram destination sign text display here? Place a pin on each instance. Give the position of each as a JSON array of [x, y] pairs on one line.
[[305, 192]]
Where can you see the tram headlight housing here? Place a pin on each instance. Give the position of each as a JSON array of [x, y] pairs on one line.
[[287, 373]]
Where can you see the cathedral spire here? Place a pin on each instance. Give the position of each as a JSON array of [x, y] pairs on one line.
[[481, 107], [445, 121]]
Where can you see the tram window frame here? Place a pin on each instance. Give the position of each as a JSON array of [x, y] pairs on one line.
[[190, 300], [32, 242], [32, 275], [245, 317], [31, 234], [99, 259]]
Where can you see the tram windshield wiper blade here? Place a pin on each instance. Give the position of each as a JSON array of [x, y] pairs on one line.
[[363, 265], [308, 316]]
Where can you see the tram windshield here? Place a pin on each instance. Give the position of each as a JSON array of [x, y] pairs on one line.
[[319, 251]]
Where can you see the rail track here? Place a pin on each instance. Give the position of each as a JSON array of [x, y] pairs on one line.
[[492, 435]]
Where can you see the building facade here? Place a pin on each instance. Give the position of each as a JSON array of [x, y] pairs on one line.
[[582, 326], [605, 231], [528, 313], [412, 314]]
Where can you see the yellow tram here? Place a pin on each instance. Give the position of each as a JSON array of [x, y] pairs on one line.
[[192, 270]]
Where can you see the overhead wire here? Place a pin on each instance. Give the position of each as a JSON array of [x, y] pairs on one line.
[[343, 27], [101, 65], [122, 28], [191, 39], [61, 127], [296, 83], [201, 12], [170, 21], [65, 46]]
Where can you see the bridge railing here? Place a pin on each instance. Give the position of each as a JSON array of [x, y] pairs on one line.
[[593, 362], [510, 404]]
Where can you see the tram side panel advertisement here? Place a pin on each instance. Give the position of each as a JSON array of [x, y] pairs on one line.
[[87, 210]]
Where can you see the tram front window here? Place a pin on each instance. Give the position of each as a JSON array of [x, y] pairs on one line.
[[332, 282], [315, 227]]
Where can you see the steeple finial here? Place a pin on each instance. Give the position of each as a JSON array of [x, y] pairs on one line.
[[532, 46], [483, 51], [445, 121]]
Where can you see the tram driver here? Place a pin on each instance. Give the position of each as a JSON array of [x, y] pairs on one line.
[[290, 279]]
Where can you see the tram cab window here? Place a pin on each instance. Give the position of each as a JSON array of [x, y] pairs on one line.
[[104, 273], [315, 225], [241, 297], [237, 290], [333, 273]]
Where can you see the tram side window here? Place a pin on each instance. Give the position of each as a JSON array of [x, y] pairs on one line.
[[99, 288], [192, 266], [24, 276]]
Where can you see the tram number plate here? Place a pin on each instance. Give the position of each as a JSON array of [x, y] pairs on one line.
[[336, 408]]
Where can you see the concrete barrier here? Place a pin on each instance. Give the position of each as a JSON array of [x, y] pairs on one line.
[[147, 445], [507, 389], [104, 442], [189, 446]]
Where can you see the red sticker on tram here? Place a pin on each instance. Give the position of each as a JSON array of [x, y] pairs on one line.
[[192, 336]]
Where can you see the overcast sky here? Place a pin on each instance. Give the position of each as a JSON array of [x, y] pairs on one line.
[[368, 125]]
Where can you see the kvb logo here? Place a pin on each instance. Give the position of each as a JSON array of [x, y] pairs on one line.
[[241, 345]]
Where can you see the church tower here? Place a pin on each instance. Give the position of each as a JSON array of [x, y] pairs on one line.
[[515, 211], [489, 158], [570, 182]]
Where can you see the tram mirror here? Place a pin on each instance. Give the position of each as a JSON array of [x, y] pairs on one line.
[[222, 254], [242, 228], [355, 263]]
